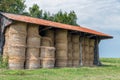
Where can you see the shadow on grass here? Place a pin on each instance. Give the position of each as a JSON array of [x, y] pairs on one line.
[[106, 65]]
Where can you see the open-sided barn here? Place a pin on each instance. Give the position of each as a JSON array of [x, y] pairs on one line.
[[30, 43]]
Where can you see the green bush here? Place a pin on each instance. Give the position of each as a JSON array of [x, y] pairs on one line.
[[3, 63]]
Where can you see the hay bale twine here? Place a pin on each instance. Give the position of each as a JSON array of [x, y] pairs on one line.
[[47, 52], [48, 62], [46, 41], [50, 34]]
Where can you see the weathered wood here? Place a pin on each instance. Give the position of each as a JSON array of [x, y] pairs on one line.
[[96, 52]]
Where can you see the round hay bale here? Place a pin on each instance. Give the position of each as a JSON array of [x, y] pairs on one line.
[[33, 30], [92, 43], [48, 63], [16, 52], [70, 46], [16, 63], [46, 41], [76, 62], [50, 34], [61, 62], [86, 41], [61, 46], [76, 55], [17, 40], [69, 62], [69, 37], [47, 52], [18, 28], [33, 42], [76, 47], [61, 36], [75, 38], [70, 56], [61, 54], [32, 53], [32, 64]]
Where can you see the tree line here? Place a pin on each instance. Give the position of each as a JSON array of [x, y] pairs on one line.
[[18, 7]]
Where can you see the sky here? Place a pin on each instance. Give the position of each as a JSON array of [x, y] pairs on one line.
[[100, 15]]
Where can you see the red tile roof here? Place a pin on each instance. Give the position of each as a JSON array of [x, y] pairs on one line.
[[52, 24]]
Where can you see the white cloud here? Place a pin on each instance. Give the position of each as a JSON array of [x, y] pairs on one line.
[[96, 14]]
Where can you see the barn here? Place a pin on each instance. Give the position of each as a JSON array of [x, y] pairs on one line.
[[32, 43]]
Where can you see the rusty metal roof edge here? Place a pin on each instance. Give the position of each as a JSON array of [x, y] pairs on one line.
[[59, 25]]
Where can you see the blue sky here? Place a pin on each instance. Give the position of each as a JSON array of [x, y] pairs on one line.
[[100, 15]]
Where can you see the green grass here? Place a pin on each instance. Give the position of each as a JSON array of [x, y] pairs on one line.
[[109, 71]]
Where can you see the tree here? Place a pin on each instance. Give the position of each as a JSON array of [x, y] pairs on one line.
[[67, 18], [35, 11], [12, 6]]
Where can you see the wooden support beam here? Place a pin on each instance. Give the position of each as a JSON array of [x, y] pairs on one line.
[[46, 28], [96, 52], [90, 36]]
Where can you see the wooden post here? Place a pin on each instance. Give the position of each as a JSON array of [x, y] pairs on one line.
[[96, 52], [81, 39]]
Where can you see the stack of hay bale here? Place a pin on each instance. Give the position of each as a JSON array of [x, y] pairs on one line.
[[17, 45], [46, 41], [83, 50], [47, 50], [86, 48], [91, 51], [76, 50], [33, 45], [47, 57], [69, 50], [61, 44]]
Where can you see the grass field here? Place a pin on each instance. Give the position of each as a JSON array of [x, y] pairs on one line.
[[109, 71]]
